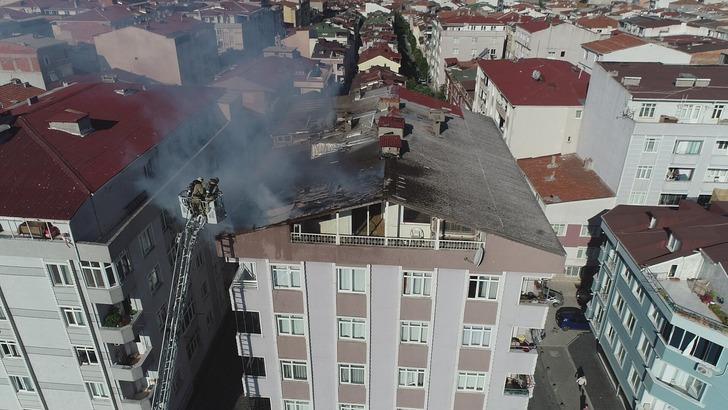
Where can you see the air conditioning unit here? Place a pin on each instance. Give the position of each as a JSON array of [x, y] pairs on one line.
[[704, 370]]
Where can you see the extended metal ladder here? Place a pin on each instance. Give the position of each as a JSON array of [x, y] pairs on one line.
[[177, 303]]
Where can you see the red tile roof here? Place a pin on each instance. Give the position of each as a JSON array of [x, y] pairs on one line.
[[106, 14], [462, 19], [12, 93], [614, 43], [537, 25], [571, 180], [561, 83], [174, 26], [391, 122], [380, 50], [49, 174], [426, 100], [599, 21], [390, 141]]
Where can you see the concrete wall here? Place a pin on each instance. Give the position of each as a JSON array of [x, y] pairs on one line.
[[535, 131]]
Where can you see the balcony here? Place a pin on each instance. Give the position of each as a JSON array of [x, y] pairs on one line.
[[34, 230], [136, 395], [385, 225], [679, 174], [128, 361], [525, 340], [519, 385], [537, 291], [117, 325]]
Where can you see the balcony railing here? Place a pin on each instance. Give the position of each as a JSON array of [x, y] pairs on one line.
[[519, 385], [354, 240]]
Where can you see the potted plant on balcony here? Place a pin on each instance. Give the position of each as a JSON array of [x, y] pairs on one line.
[[115, 318]]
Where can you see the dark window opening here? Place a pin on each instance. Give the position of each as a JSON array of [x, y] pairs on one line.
[[248, 322]]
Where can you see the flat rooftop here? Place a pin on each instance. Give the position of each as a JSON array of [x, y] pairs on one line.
[[563, 178]]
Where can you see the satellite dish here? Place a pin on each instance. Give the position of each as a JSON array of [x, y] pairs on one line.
[[479, 255]]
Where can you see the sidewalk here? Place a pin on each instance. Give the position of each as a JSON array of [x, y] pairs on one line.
[[556, 369], [599, 388]]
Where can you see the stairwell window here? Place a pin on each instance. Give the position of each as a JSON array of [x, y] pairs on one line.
[[476, 336], [351, 374], [10, 349], [620, 353], [483, 287], [291, 325], [409, 377], [629, 322], [286, 276], [352, 328], [294, 370], [650, 145], [97, 390], [352, 279], [86, 355], [644, 172], [634, 380], [647, 110], [413, 332], [60, 274], [22, 383], [416, 283]]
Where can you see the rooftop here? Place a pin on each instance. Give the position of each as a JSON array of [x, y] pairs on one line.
[[599, 21], [105, 14], [173, 26], [614, 43], [537, 25], [563, 178], [694, 44], [559, 83], [379, 50], [27, 43], [650, 21], [15, 92], [657, 80], [67, 168]]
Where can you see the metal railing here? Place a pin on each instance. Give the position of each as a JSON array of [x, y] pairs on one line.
[[355, 240]]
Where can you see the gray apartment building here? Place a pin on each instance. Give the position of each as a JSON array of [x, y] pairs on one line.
[[657, 133], [86, 245], [550, 38], [463, 37], [392, 276]]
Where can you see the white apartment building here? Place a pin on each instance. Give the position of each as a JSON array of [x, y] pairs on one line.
[[86, 250], [550, 38], [657, 133], [464, 37], [536, 103], [373, 294], [628, 48]]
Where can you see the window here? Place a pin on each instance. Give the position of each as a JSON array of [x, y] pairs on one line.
[[471, 381], [690, 344], [2, 313], [644, 172], [98, 274], [352, 279], [22, 383], [153, 279], [647, 110], [483, 287], [293, 370], [248, 322], [187, 317], [192, 345], [559, 229], [162, 317], [721, 147], [572, 270], [679, 174], [456, 40], [290, 325], [455, 51], [620, 353], [149, 168], [686, 147], [146, 240], [651, 145], [578, 114], [587, 231], [671, 199], [97, 390], [689, 111], [638, 292], [166, 218], [416, 283], [123, 265], [629, 322], [679, 380], [644, 347], [717, 111], [351, 374], [611, 333], [286, 276], [476, 335], [581, 252], [637, 197], [86, 355], [654, 316], [60, 274], [413, 332], [296, 405], [351, 407], [10, 349], [253, 366], [411, 377], [716, 175], [73, 316], [618, 304], [634, 380], [350, 328], [563, 54]]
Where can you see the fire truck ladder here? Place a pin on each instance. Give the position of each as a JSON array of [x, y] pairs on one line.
[[178, 300]]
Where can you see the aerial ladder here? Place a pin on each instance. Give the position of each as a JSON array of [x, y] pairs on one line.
[[198, 212]]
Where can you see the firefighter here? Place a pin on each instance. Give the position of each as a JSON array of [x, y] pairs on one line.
[[197, 195], [212, 189]]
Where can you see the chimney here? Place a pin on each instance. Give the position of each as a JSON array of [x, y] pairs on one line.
[[437, 117]]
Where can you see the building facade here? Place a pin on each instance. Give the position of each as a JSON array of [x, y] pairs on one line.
[[41, 61], [658, 305], [550, 38]]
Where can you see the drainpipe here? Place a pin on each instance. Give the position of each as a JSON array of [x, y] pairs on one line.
[[338, 235]]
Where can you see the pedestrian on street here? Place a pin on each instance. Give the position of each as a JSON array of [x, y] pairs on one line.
[[581, 382]]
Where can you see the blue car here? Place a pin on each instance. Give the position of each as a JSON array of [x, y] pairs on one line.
[[571, 318]]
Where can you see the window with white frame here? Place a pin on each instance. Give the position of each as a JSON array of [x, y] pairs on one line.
[[153, 279], [637, 197], [352, 279], [716, 175], [679, 380], [687, 147], [644, 172], [98, 274], [290, 325], [651, 144], [611, 333], [455, 51], [352, 328], [644, 347], [721, 147], [97, 390], [655, 316], [413, 332], [620, 352], [22, 383], [647, 110], [60, 274], [296, 405], [587, 231], [618, 303], [294, 370], [351, 374], [73, 316], [629, 321], [689, 111], [86, 355], [572, 270], [483, 287], [348, 406], [638, 291], [581, 252], [634, 380], [123, 265], [286, 276], [416, 283], [471, 381], [559, 229], [717, 111], [146, 240], [411, 377], [578, 114], [10, 348], [476, 335]]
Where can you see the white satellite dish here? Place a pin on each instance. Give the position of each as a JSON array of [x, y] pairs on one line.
[[479, 255]]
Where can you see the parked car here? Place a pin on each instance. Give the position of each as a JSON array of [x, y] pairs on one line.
[[583, 296], [554, 296], [571, 318]]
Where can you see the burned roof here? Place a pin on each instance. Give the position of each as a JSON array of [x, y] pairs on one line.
[[563, 178], [466, 174]]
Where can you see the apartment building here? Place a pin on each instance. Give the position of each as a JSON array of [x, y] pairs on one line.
[[654, 26], [464, 37], [41, 61], [537, 103], [550, 38], [241, 25], [82, 27], [370, 292], [86, 247], [656, 133], [628, 48], [658, 310]]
